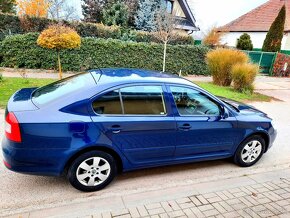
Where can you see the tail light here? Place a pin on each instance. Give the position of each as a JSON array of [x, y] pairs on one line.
[[12, 128]]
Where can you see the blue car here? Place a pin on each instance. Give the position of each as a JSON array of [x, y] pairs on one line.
[[93, 125]]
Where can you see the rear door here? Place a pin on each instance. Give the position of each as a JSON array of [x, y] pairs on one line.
[[201, 130], [137, 119]]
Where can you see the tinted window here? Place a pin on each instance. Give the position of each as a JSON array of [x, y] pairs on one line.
[[108, 103], [61, 88], [191, 102], [143, 100]]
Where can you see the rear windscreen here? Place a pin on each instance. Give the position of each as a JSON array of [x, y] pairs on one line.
[[61, 88]]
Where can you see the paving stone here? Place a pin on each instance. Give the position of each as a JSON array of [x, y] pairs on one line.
[[214, 199], [176, 213], [134, 212], [186, 205], [120, 212], [167, 207], [212, 212], [225, 205], [156, 211], [209, 195], [183, 200], [232, 214], [202, 199], [152, 206], [228, 194], [205, 207], [173, 205], [197, 212], [164, 215], [195, 201], [188, 212], [142, 211], [222, 196], [219, 208]]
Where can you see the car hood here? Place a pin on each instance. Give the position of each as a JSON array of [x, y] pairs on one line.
[[242, 107]]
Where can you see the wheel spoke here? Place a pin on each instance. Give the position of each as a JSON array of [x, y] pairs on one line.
[[83, 176], [102, 177], [96, 161], [85, 166], [245, 156], [91, 181], [106, 166]]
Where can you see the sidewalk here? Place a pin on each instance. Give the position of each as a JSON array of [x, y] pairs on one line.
[[258, 195]]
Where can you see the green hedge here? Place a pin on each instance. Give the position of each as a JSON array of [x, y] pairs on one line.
[[21, 51], [11, 24]]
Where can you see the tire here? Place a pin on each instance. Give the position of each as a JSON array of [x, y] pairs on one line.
[[92, 171], [246, 155]]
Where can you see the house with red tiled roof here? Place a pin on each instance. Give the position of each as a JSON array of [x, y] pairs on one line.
[[257, 23]]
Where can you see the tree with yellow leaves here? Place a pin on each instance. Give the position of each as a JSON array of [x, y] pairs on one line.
[[59, 37], [33, 8]]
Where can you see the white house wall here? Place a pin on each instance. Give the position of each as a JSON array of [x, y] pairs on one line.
[[230, 39]]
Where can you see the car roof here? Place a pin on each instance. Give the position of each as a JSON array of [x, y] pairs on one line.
[[119, 76]]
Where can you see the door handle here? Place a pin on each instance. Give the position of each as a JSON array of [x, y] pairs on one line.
[[185, 126], [116, 129]]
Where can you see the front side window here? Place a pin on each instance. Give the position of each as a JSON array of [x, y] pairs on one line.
[[108, 103], [143, 100], [191, 102]]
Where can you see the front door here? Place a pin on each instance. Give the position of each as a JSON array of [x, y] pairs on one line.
[[201, 130], [135, 118]]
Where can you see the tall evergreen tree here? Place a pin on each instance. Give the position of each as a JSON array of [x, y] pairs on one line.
[[146, 14], [92, 10], [274, 37], [7, 6]]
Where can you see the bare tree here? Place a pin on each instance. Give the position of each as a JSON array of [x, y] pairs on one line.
[[61, 10], [165, 30]]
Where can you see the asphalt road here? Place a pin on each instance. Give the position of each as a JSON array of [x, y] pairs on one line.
[[20, 193]]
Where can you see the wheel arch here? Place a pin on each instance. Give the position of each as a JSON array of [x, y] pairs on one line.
[[106, 149], [264, 135]]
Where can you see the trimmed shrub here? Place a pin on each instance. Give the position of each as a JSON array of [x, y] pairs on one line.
[[22, 51], [281, 62], [245, 42], [220, 62], [11, 24], [244, 76]]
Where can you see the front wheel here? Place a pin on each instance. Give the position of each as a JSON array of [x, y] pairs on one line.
[[250, 151], [92, 171]]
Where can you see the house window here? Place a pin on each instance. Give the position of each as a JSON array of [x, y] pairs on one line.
[[169, 6]]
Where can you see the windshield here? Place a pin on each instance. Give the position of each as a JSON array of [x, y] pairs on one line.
[[58, 89]]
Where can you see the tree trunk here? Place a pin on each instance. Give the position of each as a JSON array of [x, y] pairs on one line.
[[164, 56], [59, 65]]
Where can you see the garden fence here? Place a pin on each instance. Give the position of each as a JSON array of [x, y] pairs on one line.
[[265, 60]]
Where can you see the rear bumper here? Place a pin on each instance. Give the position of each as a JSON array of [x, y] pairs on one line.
[[46, 162]]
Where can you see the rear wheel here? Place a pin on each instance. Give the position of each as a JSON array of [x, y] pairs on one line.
[[92, 171], [250, 151]]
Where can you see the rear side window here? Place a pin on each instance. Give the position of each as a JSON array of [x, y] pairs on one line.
[[61, 88], [134, 100], [146, 100], [108, 103]]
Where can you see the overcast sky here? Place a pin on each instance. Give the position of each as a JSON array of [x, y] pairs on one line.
[[211, 12]]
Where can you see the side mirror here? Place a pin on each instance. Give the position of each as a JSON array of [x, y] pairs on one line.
[[224, 112]]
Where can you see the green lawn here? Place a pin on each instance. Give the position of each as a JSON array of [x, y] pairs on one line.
[[10, 85], [229, 92]]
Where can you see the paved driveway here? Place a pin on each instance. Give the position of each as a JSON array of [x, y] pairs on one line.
[[23, 192]]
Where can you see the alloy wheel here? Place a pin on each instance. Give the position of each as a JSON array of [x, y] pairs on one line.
[[93, 171]]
